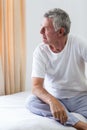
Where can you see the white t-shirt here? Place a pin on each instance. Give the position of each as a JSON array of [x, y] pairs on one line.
[[64, 72]]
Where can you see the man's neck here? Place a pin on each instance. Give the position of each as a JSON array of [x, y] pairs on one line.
[[59, 46]]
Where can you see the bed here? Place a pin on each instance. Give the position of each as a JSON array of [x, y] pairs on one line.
[[15, 116]]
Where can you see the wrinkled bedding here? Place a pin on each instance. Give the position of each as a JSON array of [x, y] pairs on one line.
[[15, 116]]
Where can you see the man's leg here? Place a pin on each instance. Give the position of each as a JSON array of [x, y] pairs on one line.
[[77, 104], [35, 105]]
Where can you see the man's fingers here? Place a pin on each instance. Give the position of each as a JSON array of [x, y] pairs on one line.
[[60, 116], [63, 119]]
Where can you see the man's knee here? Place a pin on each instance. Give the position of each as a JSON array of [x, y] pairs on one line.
[[36, 106], [31, 101]]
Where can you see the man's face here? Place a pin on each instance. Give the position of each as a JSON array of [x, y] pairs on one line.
[[48, 32]]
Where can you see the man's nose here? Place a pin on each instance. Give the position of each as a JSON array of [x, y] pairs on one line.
[[42, 30]]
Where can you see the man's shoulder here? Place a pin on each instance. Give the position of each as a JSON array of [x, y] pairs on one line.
[[41, 49], [78, 42], [73, 37], [76, 37], [42, 46]]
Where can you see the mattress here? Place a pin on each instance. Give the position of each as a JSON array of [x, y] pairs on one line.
[[15, 116]]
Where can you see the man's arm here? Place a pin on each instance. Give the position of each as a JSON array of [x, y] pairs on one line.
[[57, 109]]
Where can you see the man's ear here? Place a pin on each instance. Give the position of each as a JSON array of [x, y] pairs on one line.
[[61, 31]]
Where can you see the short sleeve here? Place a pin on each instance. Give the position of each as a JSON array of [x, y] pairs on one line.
[[39, 63]]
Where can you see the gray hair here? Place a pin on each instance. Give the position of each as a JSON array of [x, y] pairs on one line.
[[60, 19]]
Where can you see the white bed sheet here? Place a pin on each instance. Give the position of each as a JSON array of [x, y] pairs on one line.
[[15, 116]]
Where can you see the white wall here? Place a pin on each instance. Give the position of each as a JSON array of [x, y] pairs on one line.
[[34, 13]]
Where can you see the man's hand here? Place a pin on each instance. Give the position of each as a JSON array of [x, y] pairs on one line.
[[58, 110]]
